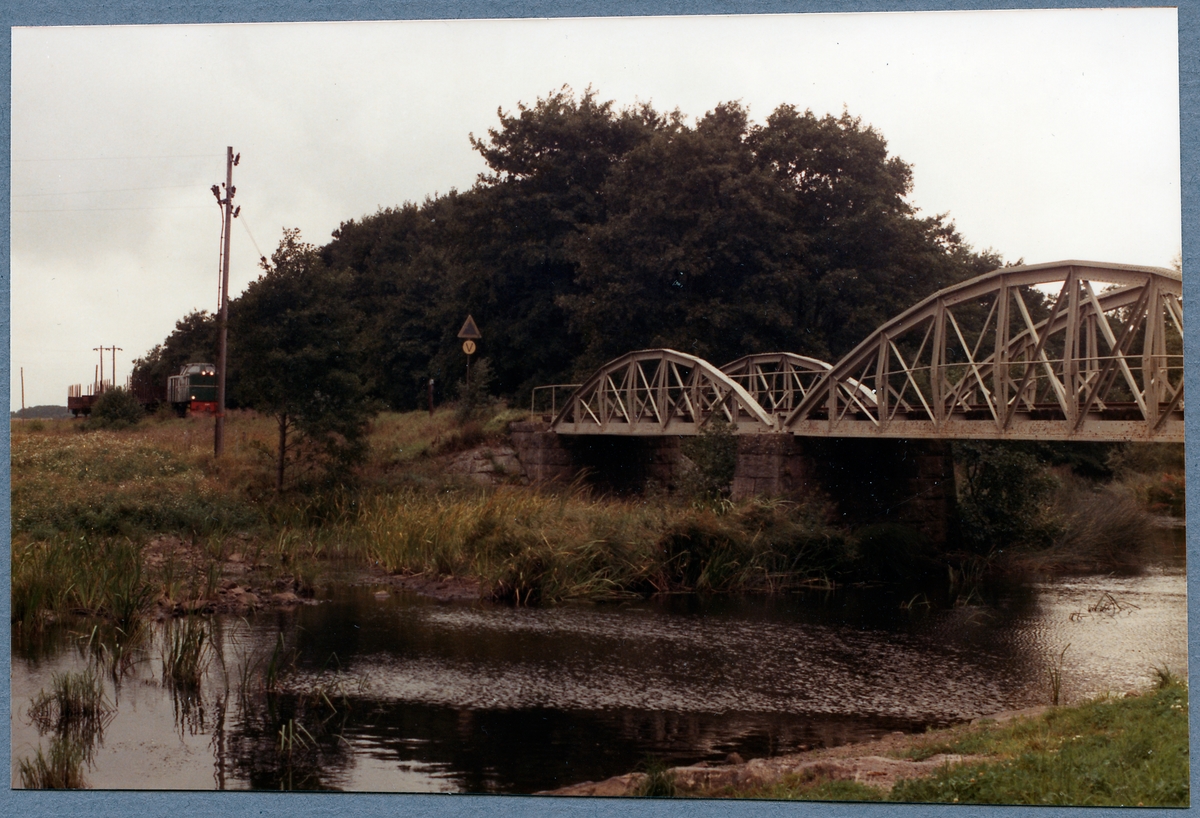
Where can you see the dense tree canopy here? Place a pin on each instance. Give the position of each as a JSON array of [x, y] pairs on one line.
[[596, 231]]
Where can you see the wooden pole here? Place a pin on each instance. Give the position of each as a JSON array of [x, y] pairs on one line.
[[223, 316]]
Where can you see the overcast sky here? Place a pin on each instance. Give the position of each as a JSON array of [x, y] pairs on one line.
[[1045, 135]]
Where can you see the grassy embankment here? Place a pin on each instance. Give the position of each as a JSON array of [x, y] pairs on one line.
[[1127, 751], [92, 511], [116, 522]]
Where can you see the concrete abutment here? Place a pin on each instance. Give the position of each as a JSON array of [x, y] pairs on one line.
[[867, 480]]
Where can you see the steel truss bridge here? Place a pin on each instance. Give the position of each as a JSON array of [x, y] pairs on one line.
[[970, 361]]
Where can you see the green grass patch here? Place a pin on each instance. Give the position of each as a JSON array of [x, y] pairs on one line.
[[1111, 752]]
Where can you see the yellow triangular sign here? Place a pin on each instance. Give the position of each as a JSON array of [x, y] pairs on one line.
[[469, 330]]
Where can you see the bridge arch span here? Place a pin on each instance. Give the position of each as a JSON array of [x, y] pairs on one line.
[[656, 392], [778, 381], [1106, 363]]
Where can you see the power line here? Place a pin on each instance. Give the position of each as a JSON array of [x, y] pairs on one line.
[[103, 209], [252, 241], [108, 190], [104, 158]]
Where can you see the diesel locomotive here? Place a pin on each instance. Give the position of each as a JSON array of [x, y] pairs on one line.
[[194, 388]]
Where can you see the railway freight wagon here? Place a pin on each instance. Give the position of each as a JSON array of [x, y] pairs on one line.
[[79, 403], [194, 388]]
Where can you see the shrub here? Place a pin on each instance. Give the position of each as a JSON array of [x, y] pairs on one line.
[[475, 395], [1004, 496], [1167, 495], [116, 409], [713, 452]]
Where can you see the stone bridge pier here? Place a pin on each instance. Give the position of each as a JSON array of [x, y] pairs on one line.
[[867, 480]]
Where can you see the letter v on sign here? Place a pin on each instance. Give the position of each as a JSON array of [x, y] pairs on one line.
[[469, 330]]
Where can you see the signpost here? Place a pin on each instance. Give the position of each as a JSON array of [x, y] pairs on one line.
[[470, 334]]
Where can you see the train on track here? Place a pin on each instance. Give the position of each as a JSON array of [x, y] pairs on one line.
[[194, 390]]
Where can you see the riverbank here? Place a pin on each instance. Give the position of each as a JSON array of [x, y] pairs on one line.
[[1121, 750], [145, 520]]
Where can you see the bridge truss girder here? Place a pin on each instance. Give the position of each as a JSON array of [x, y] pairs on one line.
[[655, 392], [778, 381], [1105, 364]]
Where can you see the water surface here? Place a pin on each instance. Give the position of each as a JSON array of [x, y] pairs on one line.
[[393, 692]]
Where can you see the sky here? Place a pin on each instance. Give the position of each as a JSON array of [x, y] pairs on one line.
[[1045, 135]]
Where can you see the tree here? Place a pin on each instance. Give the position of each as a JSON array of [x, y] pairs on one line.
[[597, 230], [696, 254], [729, 237], [549, 163], [293, 337]]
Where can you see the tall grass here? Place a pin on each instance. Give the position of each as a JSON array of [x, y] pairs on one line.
[[96, 576], [75, 711], [527, 546], [74, 494], [186, 653], [61, 769]]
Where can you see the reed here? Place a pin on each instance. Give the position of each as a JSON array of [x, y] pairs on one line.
[[75, 704], [659, 781], [61, 769], [186, 653]]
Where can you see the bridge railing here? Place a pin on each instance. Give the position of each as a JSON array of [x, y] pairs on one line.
[[552, 397]]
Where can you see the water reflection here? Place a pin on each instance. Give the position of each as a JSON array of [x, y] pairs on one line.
[[405, 694]]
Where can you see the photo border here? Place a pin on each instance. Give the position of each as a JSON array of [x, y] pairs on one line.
[[139, 12]]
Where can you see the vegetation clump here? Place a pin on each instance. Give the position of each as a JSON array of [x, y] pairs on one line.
[[74, 712], [712, 455], [659, 781], [116, 409]]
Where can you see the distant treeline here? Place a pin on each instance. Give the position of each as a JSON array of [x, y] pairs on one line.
[[595, 232], [44, 411]]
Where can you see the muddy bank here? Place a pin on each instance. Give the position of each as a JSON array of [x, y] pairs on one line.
[[880, 764], [441, 588], [232, 584]]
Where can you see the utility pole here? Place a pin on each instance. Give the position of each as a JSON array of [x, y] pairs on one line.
[[115, 350], [100, 382], [22, 392], [223, 315]]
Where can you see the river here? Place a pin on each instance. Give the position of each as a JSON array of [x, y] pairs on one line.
[[382, 690]]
